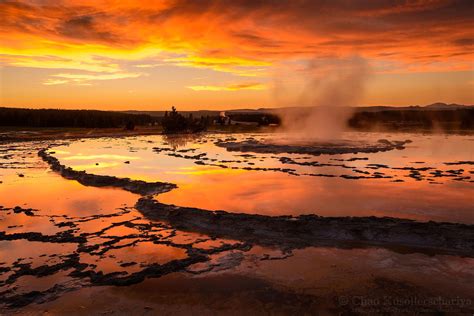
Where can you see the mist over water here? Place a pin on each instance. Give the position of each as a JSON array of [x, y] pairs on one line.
[[333, 86]]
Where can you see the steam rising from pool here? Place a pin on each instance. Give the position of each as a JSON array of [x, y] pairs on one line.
[[333, 87]]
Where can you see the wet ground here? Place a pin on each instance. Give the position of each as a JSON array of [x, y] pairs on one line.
[[86, 247]]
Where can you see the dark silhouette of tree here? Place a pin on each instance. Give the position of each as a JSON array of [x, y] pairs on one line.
[[174, 123]]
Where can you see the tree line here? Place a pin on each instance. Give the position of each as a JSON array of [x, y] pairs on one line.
[[174, 122], [70, 118], [460, 119]]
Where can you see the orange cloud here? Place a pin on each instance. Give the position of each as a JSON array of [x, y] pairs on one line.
[[232, 87], [86, 79], [224, 35], [96, 41]]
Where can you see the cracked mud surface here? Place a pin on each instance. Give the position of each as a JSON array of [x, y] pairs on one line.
[[115, 234], [121, 249]]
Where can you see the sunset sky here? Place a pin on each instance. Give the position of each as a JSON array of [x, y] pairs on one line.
[[210, 54]]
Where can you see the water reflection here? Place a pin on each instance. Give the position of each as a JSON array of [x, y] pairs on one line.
[[180, 140], [412, 183], [108, 239], [277, 194]]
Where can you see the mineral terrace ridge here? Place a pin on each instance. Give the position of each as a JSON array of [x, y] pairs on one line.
[[84, 178], [317, 149]]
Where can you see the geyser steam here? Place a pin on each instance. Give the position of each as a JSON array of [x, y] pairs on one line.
[[332, 87]]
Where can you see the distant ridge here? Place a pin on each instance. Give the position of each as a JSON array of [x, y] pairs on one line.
[[379, 108], [445, 106]]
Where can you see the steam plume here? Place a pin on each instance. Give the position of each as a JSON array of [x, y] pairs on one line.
[[333, 86]]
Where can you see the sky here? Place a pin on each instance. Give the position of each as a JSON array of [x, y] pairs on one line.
[[216, 54]]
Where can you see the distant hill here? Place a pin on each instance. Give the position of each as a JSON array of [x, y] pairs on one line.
[[444, 106], [437, 115], [199, 113], [429, 107]]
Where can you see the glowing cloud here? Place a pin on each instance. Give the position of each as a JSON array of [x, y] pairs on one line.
[[232, 87], [85, 79], [227, 40]]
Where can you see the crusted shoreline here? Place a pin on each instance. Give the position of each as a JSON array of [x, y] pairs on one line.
[[255, 146], [84, 178], [312, 230]]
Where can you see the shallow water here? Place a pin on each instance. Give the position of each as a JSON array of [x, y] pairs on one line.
[[188, 271], [222, 183]]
